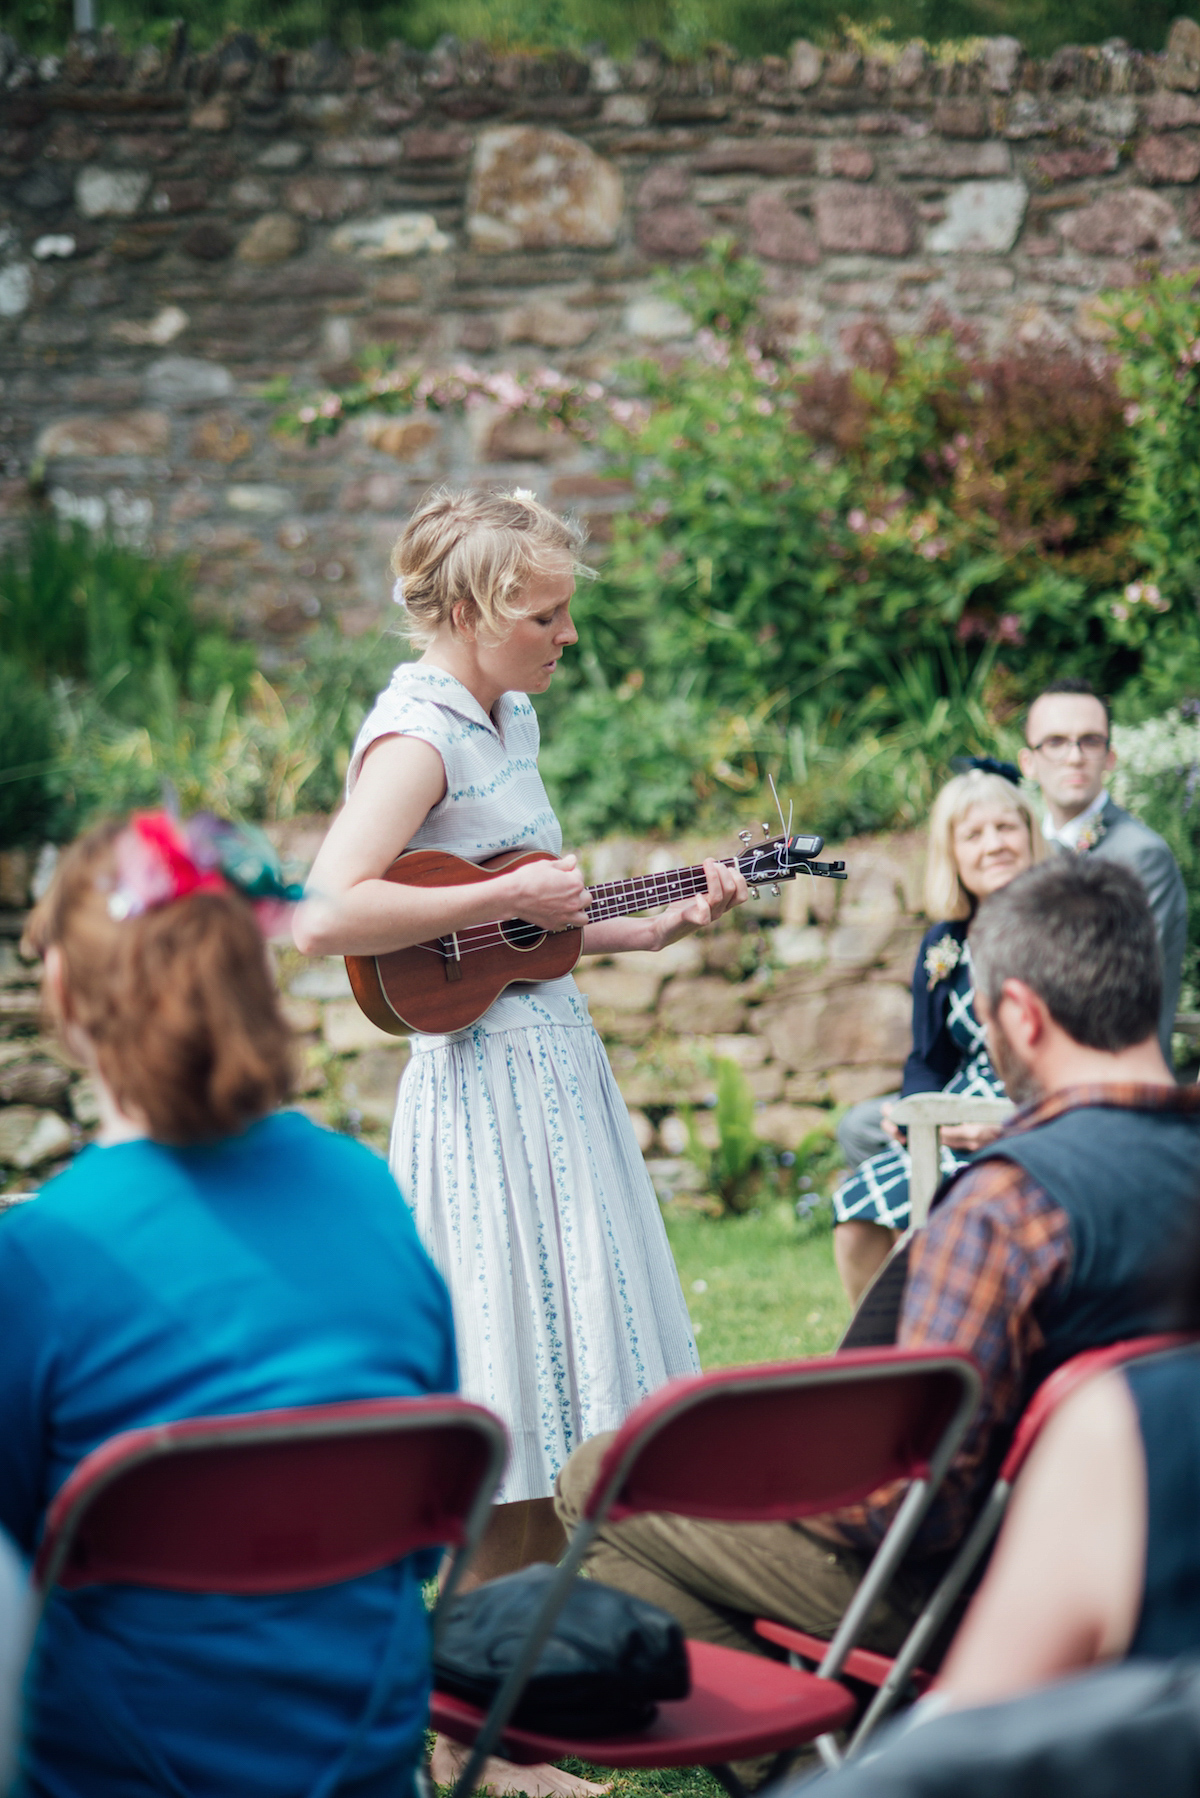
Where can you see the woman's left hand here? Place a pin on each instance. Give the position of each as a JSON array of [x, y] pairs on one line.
[[726, 888]]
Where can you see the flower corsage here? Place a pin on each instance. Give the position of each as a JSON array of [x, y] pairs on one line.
[[1092, 833], [941, 959]]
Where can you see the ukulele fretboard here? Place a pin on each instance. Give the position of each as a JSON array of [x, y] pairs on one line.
[[617, 898]]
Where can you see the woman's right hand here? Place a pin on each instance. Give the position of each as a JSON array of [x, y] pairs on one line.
[[887, 1126], [550, 894]]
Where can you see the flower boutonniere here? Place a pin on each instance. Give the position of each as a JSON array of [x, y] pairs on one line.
[[941, 959], [1092, 833]]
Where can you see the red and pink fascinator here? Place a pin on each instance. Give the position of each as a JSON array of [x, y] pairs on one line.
[[160, 858]]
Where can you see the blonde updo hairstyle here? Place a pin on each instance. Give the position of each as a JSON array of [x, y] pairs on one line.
[[480, 550], [945, 895]]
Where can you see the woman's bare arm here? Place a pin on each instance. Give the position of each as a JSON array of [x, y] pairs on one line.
[[1065, 1584], [350, 910]]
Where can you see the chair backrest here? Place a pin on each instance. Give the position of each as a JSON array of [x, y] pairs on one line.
[[274, 1501], [922, 1115], [1067, 1379], [788, 1439]]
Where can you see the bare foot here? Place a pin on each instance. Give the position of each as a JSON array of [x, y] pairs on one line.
[[501, 1778]]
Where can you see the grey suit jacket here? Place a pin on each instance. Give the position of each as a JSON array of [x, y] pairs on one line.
[[1126, 839]]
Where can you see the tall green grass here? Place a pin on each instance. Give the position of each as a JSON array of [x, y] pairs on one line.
[[112, 694]]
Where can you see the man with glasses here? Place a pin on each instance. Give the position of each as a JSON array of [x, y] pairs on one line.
[[1068, 754]]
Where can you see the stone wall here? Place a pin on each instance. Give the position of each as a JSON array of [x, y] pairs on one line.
[[176, 229], [807, 991]]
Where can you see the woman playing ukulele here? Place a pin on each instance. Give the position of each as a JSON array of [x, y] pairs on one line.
[[511, 1141]]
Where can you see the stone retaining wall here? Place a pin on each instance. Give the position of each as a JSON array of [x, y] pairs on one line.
[[808, 992], [176, 230]]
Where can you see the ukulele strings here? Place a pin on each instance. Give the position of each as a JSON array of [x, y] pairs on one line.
[[608, 901]]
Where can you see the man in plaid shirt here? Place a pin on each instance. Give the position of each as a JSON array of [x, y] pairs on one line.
[[1044, 1246]]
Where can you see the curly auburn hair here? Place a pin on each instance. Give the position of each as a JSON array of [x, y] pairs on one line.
[[179, 1004]]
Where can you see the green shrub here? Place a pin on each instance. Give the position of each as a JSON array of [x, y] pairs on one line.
[[687, 27], [326, 692], [737, 1167], [619, 760], [27, 756], [803, 532], [1157, 335], [1158, 777], [120, 695], [88, 609], [845, 577]]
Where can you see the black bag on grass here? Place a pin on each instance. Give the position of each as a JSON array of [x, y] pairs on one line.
[[607, 1662]]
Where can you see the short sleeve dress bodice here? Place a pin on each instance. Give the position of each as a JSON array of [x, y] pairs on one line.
[[512, 1143], [943, 1000]]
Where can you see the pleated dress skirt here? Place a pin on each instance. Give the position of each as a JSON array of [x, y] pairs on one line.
[[514, 1149]]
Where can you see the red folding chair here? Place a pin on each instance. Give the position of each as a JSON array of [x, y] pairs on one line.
[[892, 1675], [748, 1444], [276, 1501]]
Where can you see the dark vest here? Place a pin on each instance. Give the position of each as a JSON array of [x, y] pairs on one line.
[[1166, 1392], [1128, 1181]]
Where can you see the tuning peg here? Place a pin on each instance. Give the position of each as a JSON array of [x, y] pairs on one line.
[[775, 891], [744, 837], [766, 830], [754, 893]]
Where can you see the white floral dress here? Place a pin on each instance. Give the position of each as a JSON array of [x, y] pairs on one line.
[[512, 1143]]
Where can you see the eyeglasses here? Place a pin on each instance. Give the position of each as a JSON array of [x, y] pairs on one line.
[[1057, 749]]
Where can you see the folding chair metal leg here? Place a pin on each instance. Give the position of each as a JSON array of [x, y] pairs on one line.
[[877, 1578], [726, 1777], [874, 1583], [925, 1629]]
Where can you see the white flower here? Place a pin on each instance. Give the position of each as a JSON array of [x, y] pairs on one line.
[[941, 959], [1144, 751]]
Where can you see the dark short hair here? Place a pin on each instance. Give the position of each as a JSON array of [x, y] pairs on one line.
[[1079, 931], [1071, 684]]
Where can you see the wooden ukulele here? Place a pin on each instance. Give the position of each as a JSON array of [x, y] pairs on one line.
[[449, 982]]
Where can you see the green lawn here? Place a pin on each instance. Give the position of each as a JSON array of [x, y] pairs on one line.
[[759, 1287]]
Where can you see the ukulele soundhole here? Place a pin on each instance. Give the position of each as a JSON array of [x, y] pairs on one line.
[[519, 934]]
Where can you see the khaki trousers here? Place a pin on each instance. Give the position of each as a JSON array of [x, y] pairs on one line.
[[716, 1578]]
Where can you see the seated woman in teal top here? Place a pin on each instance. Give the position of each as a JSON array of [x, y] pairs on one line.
[[211, 1254]]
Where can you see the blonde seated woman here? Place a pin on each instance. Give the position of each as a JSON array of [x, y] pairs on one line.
[[982, 834]]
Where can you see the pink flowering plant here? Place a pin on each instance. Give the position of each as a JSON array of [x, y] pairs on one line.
[[386, 388]]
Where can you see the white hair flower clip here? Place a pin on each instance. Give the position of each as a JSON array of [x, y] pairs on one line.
[[398, 598], [525, 495]]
